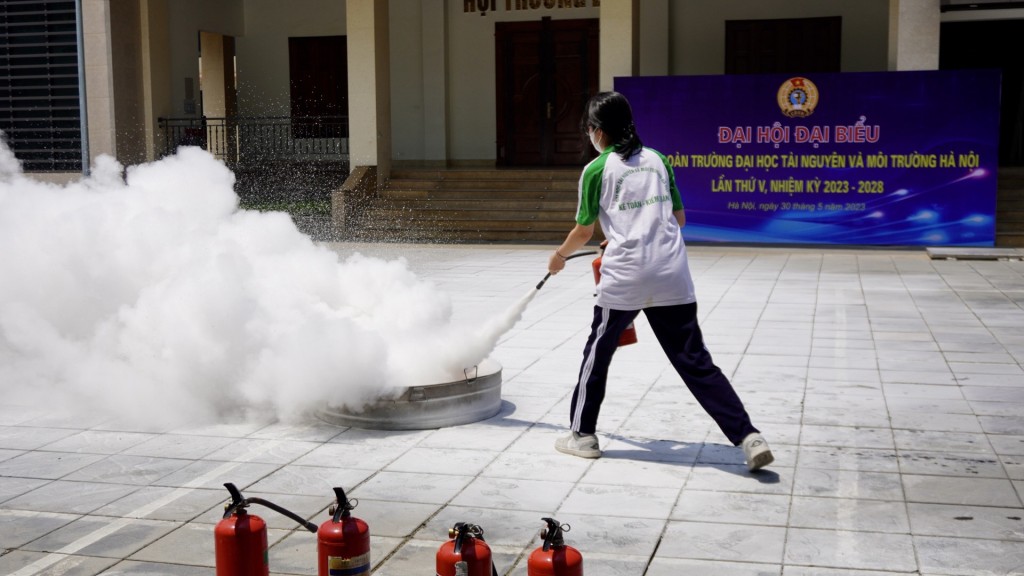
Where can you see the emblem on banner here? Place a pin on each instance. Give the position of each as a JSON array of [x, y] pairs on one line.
[[797, 97]]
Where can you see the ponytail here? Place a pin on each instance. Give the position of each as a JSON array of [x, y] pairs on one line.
[[610, 112]]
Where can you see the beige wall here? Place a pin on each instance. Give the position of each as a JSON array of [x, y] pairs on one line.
[[186, 18], [675, 37], [263, 52], [441, 57], [409, 62], [473, 117], [698, 30]]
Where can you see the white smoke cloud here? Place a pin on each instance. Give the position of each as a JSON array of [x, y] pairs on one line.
[[154, 296]]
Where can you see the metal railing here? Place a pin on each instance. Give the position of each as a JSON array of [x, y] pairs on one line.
[[253, 140]]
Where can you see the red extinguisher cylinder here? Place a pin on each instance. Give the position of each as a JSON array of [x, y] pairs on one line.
[[628, 335], [466, 554], [554, 557], [343, 542], [240, 538], [240, 545], [563, 561]]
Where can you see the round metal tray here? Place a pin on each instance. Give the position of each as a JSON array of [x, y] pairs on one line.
[[474, 398]]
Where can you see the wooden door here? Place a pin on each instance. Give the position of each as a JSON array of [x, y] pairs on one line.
[[787, 45], [546, 71], [318, 70]]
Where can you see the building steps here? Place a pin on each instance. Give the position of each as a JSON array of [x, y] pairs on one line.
[[1010, 208], [471, 205], [517, 205]]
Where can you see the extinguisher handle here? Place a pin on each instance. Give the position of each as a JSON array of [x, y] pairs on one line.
[[236, 500], [553, 534], [344, 505]]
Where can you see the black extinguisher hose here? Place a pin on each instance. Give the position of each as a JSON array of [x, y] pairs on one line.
[[576, 255], [237, 502], [305, 523]]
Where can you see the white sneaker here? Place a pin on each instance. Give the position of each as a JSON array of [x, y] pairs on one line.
[[756, 449], [582, 445]]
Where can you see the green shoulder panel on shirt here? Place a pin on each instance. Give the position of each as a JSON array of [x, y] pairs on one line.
[[590, 190], [677, 201]]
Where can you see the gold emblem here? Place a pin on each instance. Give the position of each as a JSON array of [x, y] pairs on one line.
[[798, 97]]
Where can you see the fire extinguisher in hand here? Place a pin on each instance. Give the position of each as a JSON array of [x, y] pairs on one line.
[[240, 538], [343, 541], [628, 335], [466, 553], [554, 558]]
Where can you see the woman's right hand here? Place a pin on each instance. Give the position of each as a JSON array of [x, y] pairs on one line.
[[555, 263]]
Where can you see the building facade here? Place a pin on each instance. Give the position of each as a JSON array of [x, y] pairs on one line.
[[386, 83]]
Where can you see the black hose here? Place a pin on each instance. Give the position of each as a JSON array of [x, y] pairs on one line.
[[305, 523]]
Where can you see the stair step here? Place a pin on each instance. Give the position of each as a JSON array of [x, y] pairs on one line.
[[472, 205], [482, 185], [444, 195], [485, 174], [447, 236], [1010, 241], [564, 216], [481, 204], [466, 221]]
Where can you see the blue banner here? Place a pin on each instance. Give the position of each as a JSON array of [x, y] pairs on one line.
[[887, 158]]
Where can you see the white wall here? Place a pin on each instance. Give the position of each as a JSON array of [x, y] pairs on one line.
[[262, 53], [698, 30], [186, 18]]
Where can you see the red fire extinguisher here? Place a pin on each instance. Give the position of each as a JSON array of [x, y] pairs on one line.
[[554, 558], [466, 554], [240, 538], [343, 542], [628, 335]]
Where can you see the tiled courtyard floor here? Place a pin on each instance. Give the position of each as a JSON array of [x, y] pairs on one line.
[[889, 385]]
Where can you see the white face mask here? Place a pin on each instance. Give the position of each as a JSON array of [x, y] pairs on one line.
[[594, 141]]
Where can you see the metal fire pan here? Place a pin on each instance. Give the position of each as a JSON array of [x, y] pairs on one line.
[[474, 398]]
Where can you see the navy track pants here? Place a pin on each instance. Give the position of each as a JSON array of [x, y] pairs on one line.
[[680, 337]]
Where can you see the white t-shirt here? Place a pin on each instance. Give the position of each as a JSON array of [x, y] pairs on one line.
[[645, 262]]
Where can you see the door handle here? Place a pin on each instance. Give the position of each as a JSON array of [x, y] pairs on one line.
[[551, 108]]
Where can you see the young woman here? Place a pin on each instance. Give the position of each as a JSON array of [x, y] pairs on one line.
[[632, 191]]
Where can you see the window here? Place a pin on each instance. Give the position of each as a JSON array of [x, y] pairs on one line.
[[39, 107]]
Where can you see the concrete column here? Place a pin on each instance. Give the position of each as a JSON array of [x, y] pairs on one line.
[[619, 41], [99, 85], [156, 72], [126, 74], [369, 85], [914, 34]]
